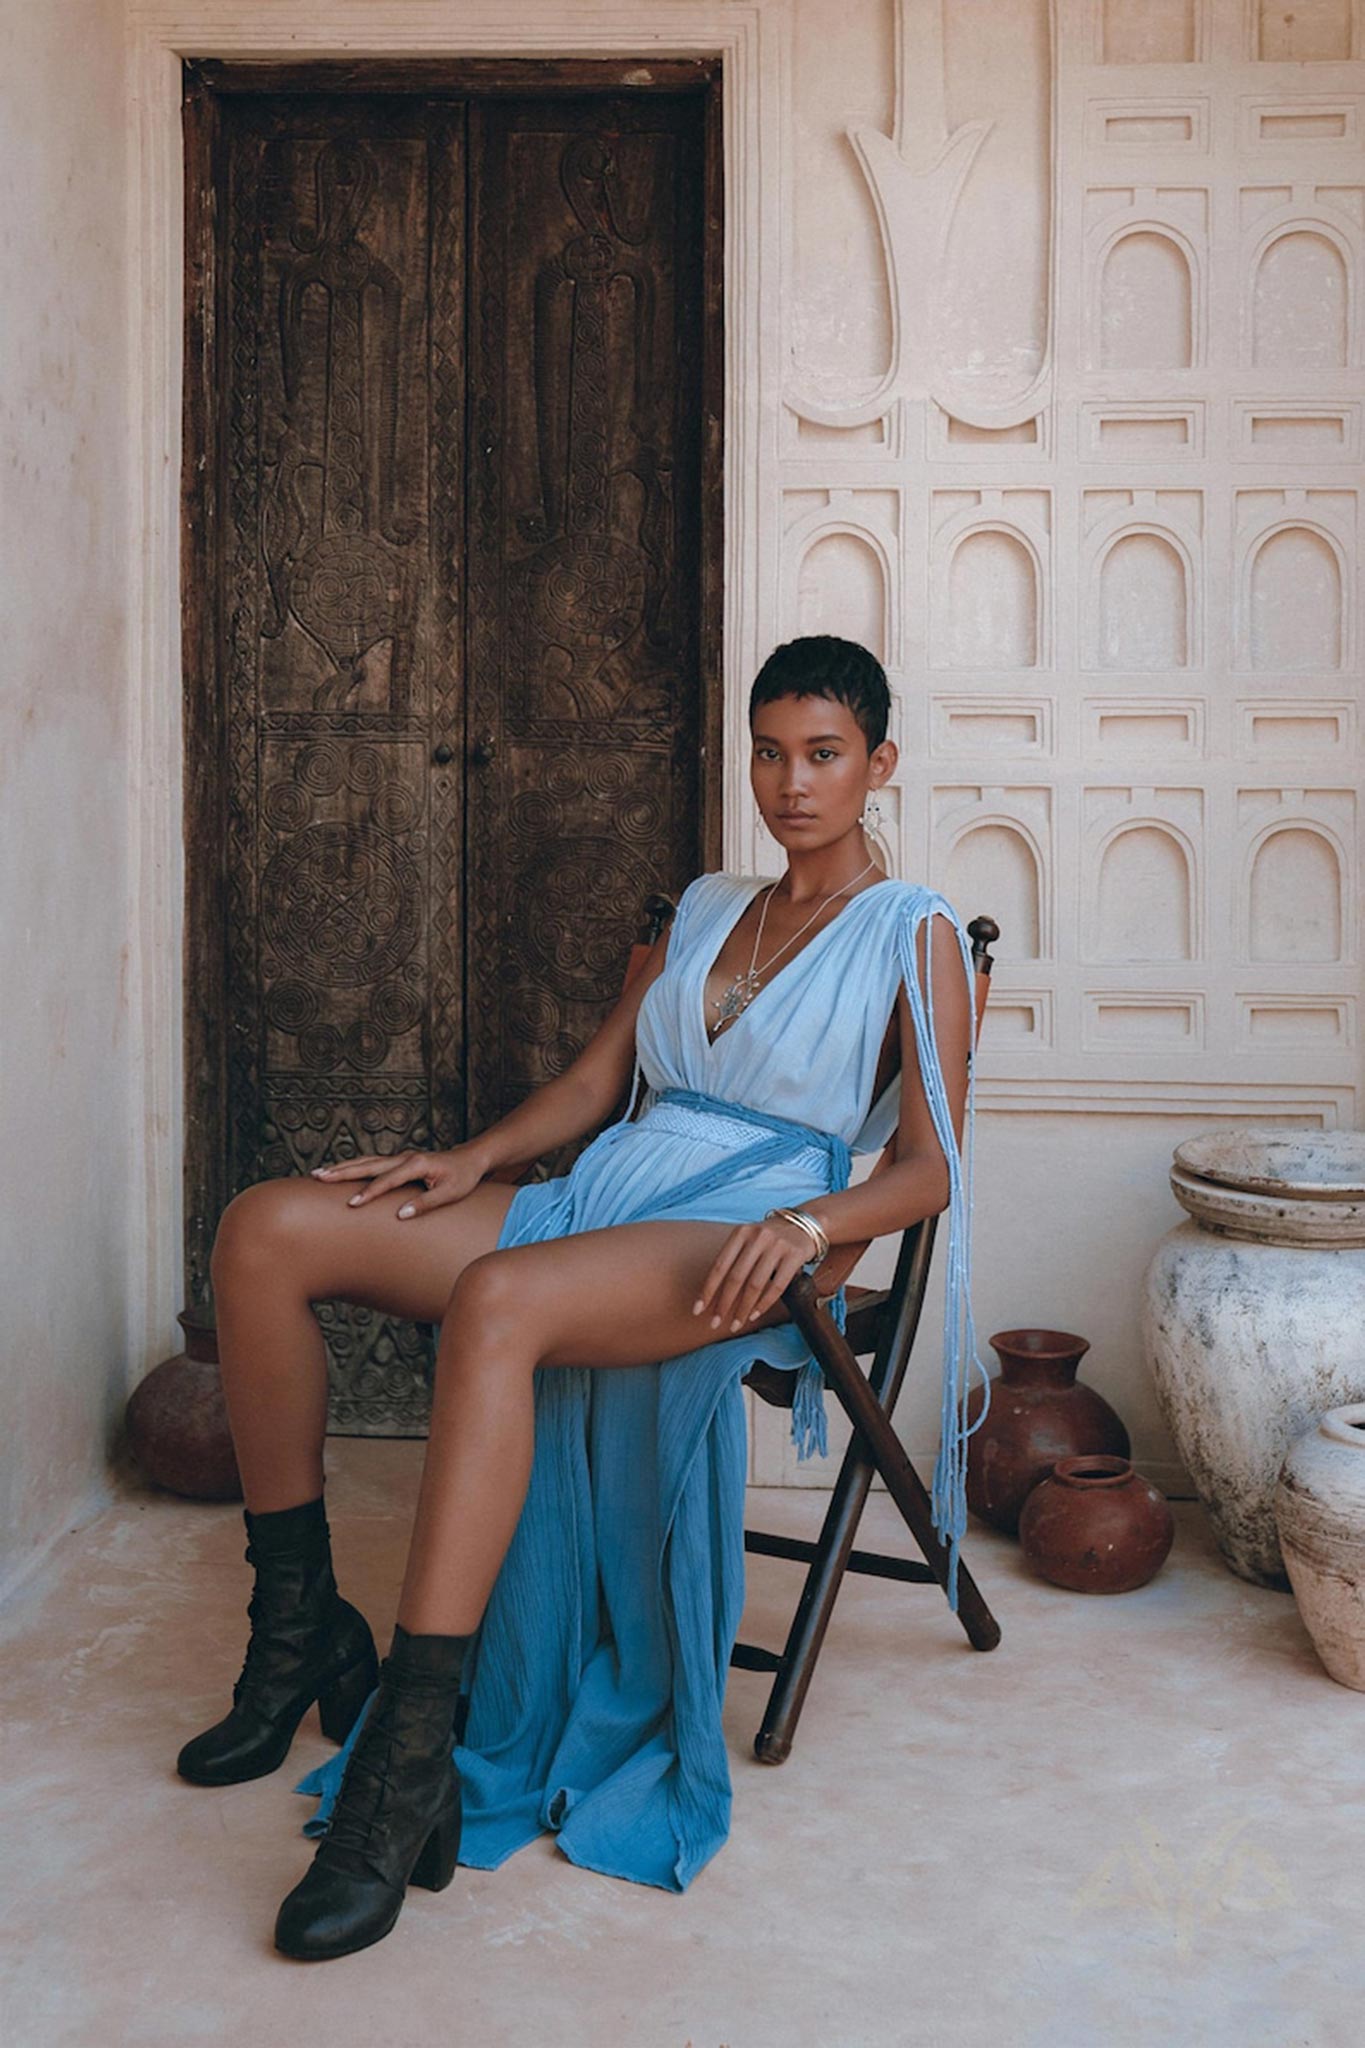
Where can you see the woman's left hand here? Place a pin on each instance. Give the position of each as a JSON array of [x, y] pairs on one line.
[[749, 1272]]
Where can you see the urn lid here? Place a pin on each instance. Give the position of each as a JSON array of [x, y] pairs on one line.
[[1307, 1165], [1275, 1183]]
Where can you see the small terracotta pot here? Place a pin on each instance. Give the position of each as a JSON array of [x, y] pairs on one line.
[[1096, 1526], [178, 1423], [1038, 1413]]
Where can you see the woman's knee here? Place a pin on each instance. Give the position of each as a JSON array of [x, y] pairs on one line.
[[490, 1301], [265, 1222]]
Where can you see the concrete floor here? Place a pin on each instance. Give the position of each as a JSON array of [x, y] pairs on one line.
[[1139, 1820]]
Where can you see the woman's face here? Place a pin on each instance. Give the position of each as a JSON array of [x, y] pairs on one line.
[[810, 769]]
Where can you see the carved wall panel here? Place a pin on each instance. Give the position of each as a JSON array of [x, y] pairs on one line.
[[1129, 636]]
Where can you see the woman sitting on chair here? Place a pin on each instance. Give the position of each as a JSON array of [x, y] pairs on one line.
[[577, 1564]]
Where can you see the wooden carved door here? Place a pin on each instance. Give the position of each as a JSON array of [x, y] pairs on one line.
[[451, 709]]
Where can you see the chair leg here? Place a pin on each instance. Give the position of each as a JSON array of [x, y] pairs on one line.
[[888, 1454], [824, 1576]]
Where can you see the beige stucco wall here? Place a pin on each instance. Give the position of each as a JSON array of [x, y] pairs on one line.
[[65, 1038]]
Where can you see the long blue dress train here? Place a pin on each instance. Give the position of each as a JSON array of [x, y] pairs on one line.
[[600, 1667]]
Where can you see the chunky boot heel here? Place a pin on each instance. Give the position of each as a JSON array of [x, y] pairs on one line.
[[306, 1644], [435, 1867], [339, 1705], [396, 1820]]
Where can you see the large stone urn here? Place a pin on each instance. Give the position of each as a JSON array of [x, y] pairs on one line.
[[1253, 1316]]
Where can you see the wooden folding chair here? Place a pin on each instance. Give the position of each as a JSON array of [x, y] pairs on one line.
[[881, 1322]]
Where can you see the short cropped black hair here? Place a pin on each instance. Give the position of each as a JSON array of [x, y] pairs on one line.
[[823, 665]]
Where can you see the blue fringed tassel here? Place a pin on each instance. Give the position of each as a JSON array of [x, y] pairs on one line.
[[810, 1431], [949, 1492]]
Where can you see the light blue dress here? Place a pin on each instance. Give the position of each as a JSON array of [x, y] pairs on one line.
[[600, 1669]]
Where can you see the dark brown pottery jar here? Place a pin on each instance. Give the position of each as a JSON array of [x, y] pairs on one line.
[[1038, 1413], [1096, 1526], [178, 1422]]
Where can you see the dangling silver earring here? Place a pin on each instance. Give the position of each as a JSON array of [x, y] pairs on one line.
[[871, 821]]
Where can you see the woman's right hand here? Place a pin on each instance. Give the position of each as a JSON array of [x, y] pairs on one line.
[[447, 1176]]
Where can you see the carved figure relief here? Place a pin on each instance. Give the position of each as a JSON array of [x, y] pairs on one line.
[[586, 416], [337, 550]]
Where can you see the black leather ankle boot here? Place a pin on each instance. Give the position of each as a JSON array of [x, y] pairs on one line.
[[306, 1644], [397, 1815]]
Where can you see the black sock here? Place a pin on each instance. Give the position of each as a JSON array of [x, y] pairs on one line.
[[430, 1660], [289, 1529]]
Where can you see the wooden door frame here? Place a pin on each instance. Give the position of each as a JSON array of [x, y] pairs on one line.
[[206, 83]]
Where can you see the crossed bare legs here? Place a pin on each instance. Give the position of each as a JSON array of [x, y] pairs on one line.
[[614, 1297]]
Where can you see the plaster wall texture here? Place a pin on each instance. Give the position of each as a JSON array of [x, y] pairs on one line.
[[67, 1037], [1044, 377]]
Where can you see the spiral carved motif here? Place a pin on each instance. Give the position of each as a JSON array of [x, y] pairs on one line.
[[321, 767], [588, 587], [291, 1006], [365, 1045], [285, 806], [578, 920], [535, 814], [342, 903], [531, 1015], [320, 1047], [394, 808], [365, 770], [396, 1008], [341, 591]]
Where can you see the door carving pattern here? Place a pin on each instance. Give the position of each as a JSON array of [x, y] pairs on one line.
[[363, 894], [585, 463], [339, 838]]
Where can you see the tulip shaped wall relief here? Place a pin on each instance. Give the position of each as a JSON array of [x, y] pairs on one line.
[[970, 289]]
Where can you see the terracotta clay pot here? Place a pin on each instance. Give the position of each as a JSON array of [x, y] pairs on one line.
[[1320, 1514], [177, 1419], [1096, 1526], [1038, 1413]]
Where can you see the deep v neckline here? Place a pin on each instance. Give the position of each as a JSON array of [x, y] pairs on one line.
[[709, 1044]]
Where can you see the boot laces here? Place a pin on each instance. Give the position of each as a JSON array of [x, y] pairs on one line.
[[360, 1802], [359, 1811], [274, 1612]]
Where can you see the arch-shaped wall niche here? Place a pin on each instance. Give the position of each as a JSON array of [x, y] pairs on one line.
[[1301, 291], [842, 583], [1294, 900], [995, 864], [1140, 603], [1146, 300], [990, 611], [1145, 901], [1294, 614]]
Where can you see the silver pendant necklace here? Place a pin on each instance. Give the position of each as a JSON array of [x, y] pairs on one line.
[[745, 986]]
